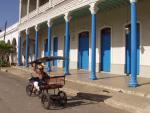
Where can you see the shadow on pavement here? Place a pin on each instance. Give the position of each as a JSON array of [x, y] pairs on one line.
[[93, 97], [143, 84], [86, 99]]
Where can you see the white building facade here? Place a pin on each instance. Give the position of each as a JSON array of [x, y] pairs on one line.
[[94, 35]]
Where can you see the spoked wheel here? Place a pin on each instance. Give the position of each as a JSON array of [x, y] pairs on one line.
[[39, 94], [45, 100], [29, 89], [62, 98]]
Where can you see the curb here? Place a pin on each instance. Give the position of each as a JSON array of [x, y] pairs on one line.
[[14, 73], [123, 106], [113, 103], [127, 106], [111, 88], [26, 69], [4, 70]]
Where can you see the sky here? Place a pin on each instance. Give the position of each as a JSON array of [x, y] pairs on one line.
[[9, 10]]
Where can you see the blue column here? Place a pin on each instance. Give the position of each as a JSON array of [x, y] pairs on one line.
[[67, 48], [36, 45], [93, 60], [19, 50], [49, 47], [27, 49], [133, 81]]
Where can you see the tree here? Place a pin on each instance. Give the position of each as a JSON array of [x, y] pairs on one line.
[[5, 50]]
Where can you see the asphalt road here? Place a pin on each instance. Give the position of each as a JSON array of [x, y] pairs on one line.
[[13, 99]]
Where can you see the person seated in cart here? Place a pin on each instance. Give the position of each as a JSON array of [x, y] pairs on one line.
[[41, 76]]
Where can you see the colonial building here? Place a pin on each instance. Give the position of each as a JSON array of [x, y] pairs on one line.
[[105, 36]]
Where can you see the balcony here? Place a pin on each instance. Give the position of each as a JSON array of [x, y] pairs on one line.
[[52, 9], [41, 9], [32, 14], [23, 19]]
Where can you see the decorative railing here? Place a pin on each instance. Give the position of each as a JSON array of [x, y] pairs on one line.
[[44, 7], [56, 2], [33, 13], [50, 4], [23, 19]]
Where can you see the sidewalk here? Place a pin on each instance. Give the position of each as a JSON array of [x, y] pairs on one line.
[[116, 87], [112, 82]]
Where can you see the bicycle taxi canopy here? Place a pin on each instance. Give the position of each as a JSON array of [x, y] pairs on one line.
[[47, 59]]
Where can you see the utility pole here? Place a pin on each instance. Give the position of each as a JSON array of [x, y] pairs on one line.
[[5, 29], [1, 29]]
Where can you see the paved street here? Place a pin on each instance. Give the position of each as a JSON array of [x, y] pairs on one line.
[[13, 99]]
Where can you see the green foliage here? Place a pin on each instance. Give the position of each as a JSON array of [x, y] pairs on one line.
[[5, 50], [4, 63]]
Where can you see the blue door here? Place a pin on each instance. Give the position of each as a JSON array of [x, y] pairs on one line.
[[46, 48], [83, 54], [128, 51], [55, 50], [64, 52], [105, 49]]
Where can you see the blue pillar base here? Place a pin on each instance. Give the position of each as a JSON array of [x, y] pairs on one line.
[[133, 83], [93, 76]]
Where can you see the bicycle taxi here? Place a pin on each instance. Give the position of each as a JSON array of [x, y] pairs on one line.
[[49, 100]]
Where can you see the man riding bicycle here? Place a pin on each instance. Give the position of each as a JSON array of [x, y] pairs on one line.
[[41, 76]]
